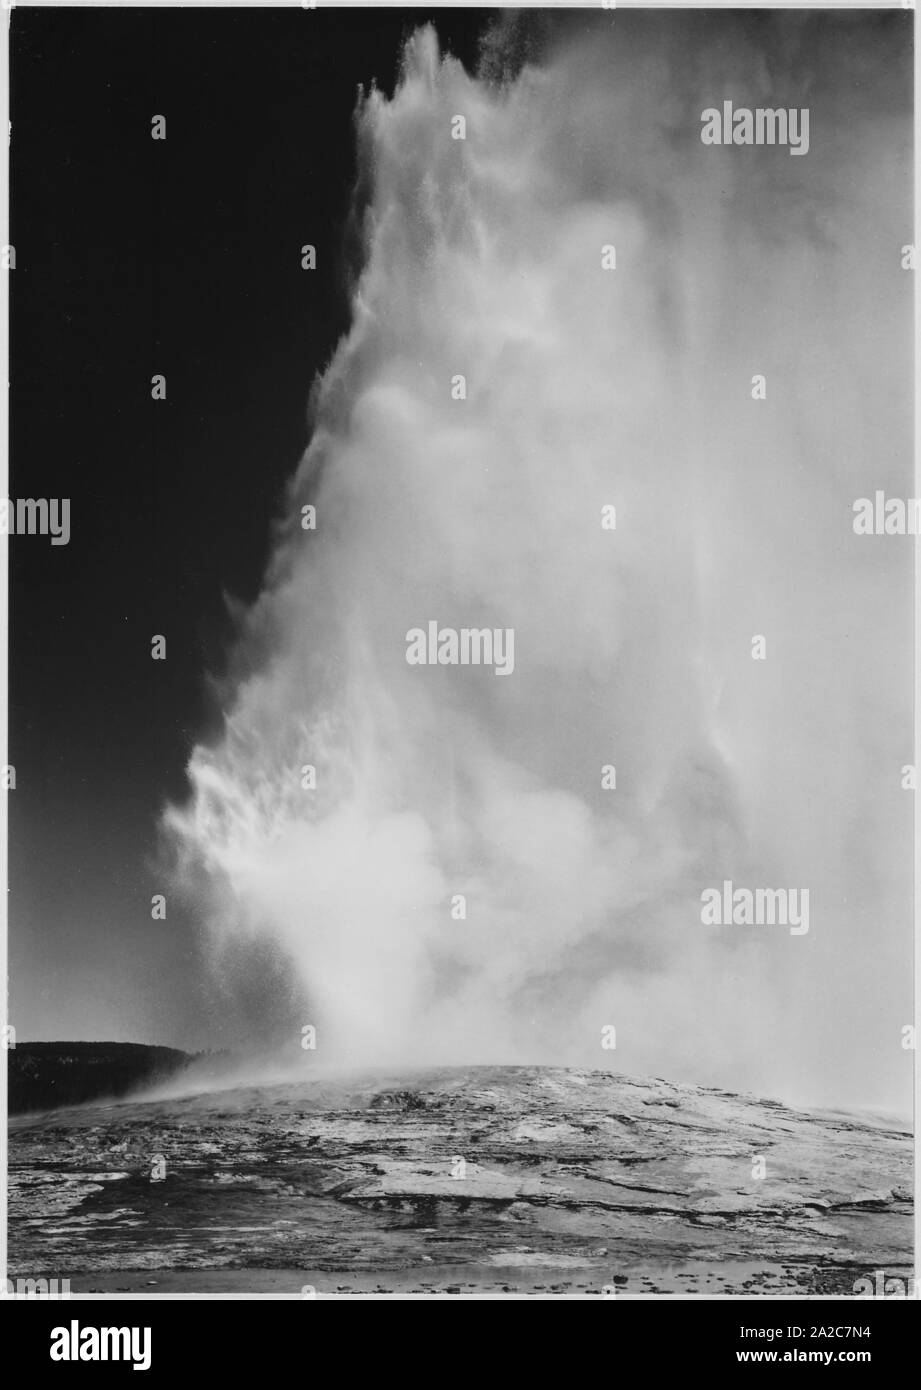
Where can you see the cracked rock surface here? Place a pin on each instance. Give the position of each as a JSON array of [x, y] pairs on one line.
[[460, 1180]]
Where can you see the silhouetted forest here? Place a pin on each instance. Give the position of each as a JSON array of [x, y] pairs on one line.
[[45, 1075]]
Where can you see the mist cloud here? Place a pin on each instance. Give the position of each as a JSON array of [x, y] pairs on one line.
[[632, 647]]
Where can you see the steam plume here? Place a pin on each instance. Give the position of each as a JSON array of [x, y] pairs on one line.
[[587, 387]]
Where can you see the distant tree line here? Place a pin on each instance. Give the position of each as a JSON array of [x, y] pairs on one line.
[[46, 1075]]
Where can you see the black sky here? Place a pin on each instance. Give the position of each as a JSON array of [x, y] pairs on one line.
[[137, 257]]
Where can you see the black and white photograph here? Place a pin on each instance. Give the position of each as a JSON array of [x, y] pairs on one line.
[[459, 542]]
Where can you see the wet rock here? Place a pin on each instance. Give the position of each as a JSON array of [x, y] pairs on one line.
[[594, 1179]]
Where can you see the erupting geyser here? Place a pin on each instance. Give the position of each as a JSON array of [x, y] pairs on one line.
[[559, 313]]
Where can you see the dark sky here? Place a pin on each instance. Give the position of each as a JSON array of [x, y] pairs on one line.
[[137, 257]]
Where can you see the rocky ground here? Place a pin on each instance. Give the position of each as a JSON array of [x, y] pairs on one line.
[[468, 1181]]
